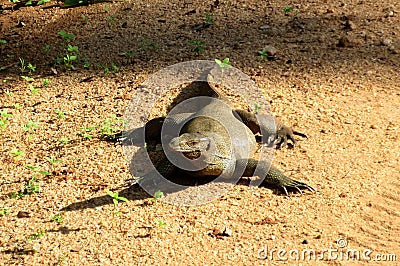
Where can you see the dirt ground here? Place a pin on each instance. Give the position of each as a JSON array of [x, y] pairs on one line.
[[335, 77]]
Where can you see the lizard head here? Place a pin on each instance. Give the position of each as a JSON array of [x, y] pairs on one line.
[[191, 145]]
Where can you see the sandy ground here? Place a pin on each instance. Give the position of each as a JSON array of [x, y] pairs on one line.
[[335, 77]]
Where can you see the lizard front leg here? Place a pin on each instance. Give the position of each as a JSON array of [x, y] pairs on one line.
[[273, 131], [272, 175]]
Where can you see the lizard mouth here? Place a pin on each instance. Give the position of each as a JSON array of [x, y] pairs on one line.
[[192, 155], [190, 145]]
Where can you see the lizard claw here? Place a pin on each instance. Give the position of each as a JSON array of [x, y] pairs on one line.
[[284, 133], [297, 186]]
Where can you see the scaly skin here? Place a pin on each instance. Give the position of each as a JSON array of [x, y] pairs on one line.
[[216, 138]]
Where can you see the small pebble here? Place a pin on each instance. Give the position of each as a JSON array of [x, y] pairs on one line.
[[350, 25], [347, 41], [264, 27], [271, 50], [386, 42], [227, 232], [23, 214]]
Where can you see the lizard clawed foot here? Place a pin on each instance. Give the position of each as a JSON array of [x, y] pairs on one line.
[[297, 186], [283, 134]]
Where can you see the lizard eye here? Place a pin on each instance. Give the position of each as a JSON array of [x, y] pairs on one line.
[[193, 143]]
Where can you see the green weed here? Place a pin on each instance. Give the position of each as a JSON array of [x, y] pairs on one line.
[[3, 118], [37, 169], [198, 46], [4, 211], [17, 153], [115, 197], [60, 114], [64, 140], [66, 36], [33, 89], [31, 126], [30, 188], [57, 218], [157, 195], [39, 233], [29, 79], [208, 18], [223, 64]]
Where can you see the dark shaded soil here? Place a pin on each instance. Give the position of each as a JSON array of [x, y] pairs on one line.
[[335, 77]]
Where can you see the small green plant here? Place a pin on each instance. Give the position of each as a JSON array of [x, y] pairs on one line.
[[41, 2], [2, 41], [161, 223], [46, 82], [127, 54], [72, 49], [60, 114], [31, 187], [17, 153], [223, 64], [110, 20], [5, 114], [29, 79], [17, 106], [115, 68], [208, 18], [69, 60], [84, 134], [39, 233], [57, 218], [198, 46], [30, 127], [4, 211], [53, 160], [33, 89], [66, 36], [256, 108], [8, 93], [32, 68], [147, 44], [3, 118], [23, 65], [110, 127], [85, 18], [263, 54], [86, 63], [157, 195], [106, 8], [64, 140], [291, 10], [47, 47], [106, 70], [288, 9], [37, 169], [115, 197]]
